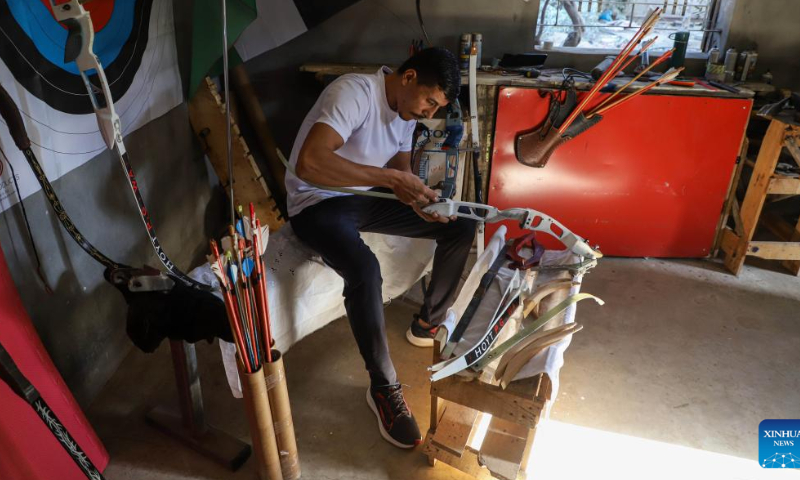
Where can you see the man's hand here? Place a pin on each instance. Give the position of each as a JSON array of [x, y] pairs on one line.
[[411, 191]]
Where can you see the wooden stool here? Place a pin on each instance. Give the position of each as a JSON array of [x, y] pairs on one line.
[[456, 403], [737, 243]]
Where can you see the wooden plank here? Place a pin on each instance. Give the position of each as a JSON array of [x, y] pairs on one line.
[[467, 463], [784, 186], [729, 241], [737, 218], [434, 399], [207, 116], [258, 122], [454, 427], [526, 455], [731, 197], [503, 448], [775, 250], [552, 79], [757, 192], [517, 405]]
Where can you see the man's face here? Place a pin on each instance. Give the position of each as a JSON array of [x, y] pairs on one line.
[[415, 101]]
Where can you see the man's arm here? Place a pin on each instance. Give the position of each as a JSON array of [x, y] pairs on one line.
[[401, 161], [318, 163]]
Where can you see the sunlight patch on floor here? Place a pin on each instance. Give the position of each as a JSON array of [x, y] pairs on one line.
[[562, 450]]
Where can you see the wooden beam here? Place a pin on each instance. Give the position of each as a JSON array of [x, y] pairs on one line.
[[434, 399], [258, 121], [775, 250], [207, 116], [454, 427], [757, 192], [737, 218], [515, 404], [784, 186], [503, 448], [729, 241], [731, 197], [467, 463]]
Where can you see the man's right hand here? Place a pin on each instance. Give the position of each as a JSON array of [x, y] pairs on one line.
[[411, 191]]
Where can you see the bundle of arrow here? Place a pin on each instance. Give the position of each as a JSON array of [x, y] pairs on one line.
[[243, 279], [510, 311]]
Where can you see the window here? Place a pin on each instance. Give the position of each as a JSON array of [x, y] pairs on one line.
[[608, 24]]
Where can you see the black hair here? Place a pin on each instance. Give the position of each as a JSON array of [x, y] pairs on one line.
[[436, 66]]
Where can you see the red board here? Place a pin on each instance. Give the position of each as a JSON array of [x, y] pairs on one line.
[[649, 180], [28, 450]]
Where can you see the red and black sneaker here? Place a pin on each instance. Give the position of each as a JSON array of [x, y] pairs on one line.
[[395, 420], [420, 336]]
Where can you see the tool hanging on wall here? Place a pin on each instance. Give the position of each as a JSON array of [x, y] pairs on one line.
[[24, 389], [78, 49], [567, 117]]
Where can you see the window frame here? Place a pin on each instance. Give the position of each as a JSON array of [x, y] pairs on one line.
[[714, 33]]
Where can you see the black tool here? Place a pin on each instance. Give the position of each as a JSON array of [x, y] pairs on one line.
[[483, 286], [516, 60], [723, 86]]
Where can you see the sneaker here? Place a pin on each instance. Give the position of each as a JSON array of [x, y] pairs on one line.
[[395, 421], [420, 336]]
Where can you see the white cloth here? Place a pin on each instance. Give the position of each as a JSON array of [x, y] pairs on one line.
[[305, 295], [354, 105], [551, 359]]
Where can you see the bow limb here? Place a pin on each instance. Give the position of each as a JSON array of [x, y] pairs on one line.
[[80, 42]]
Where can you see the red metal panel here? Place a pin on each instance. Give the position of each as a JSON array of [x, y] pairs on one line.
[[28, 450], [648, 180]]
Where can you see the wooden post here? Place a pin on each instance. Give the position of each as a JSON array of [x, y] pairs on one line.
[[757, 192], [731, 199], [258, 121], [434, 400]]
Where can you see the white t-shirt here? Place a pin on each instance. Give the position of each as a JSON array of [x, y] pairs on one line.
[[356, 107]]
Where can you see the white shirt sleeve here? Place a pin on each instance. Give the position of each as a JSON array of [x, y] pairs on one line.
[[344, 106], [407, 140]]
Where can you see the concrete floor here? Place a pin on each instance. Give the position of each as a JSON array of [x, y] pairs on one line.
[[682, 353]]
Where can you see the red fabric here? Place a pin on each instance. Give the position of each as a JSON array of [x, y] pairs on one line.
[[649, 180], [28, 450]]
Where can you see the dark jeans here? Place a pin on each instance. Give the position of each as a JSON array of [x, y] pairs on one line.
[[332, 227]]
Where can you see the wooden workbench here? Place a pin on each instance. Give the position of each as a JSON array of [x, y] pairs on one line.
[[550, 78]]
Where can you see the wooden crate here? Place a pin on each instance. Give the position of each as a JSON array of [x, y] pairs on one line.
[[456, 405]]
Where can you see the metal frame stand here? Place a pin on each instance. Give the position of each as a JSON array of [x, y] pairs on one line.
[[189, 426]]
